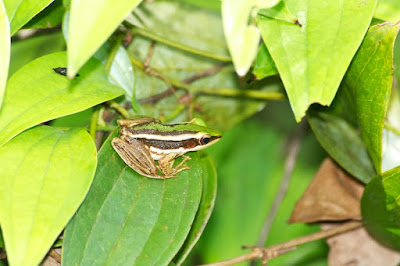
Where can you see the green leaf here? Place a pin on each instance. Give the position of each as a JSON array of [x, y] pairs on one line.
[[388, 10], [313, 59], [45, 174], [5, 41], [130, 219], [20, 12], [264, 65], [380, 208], [280, 12], [343, 143], [121, 71], [87, 33], [242, 38], [50, 17], [179, 65], [204, 213], [370, 78], [36, 93]]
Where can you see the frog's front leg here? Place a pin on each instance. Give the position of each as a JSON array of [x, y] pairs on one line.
[[165, 165]]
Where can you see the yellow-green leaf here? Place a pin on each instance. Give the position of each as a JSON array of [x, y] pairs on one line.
[[45, 174], [4, 50], [369, 79], [91, 22], [313, 59]]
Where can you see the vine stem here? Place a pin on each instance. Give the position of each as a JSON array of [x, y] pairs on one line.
[[253, 94], [273, 251], [180, 46]]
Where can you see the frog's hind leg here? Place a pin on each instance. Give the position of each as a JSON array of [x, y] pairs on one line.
[[136, 156]]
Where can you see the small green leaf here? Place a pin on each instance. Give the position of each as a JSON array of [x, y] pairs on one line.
[[20, 12], [129, 219], [342, 143], [204, 213], [5, 41], [87, 33], [242, 39], [380, 208], [280, 12], [264, 65], [313, 59], [36, 93], [121, 71], [388, 10], [369, 79], [45, 174]]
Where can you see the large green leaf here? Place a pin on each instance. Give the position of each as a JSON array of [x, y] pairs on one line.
[[388, 10], [21, 11], [4, 50], [91, 22], [36, 93], [370, 78], [129, 219], [343, 143], [312, 59], [242, 38], [45, 174], [207, 35], [380, 208], [205, 210]]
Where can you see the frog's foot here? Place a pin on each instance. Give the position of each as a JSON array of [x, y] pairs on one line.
[[165, 167]]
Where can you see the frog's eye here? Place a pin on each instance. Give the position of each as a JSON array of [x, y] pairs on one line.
[[205, 139]]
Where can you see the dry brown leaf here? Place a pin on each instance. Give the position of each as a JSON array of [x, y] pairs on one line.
[[332, 195], [357, 248]]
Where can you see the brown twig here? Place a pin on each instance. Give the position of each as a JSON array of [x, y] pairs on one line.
[[149, 55], [275, 250], [294, 148]]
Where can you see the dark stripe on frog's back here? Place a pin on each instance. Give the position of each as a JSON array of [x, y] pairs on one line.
[[169, 145]]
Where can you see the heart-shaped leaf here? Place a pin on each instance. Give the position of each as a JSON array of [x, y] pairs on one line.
[[312, 59], [380, 208], [36, 93], [45, 174], [130, 219], [4, 49], [369, 79], [91, 22]]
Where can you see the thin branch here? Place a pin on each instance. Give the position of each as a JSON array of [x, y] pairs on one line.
[[121, 110], [275, 250], [293, 152], [159, 96]]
